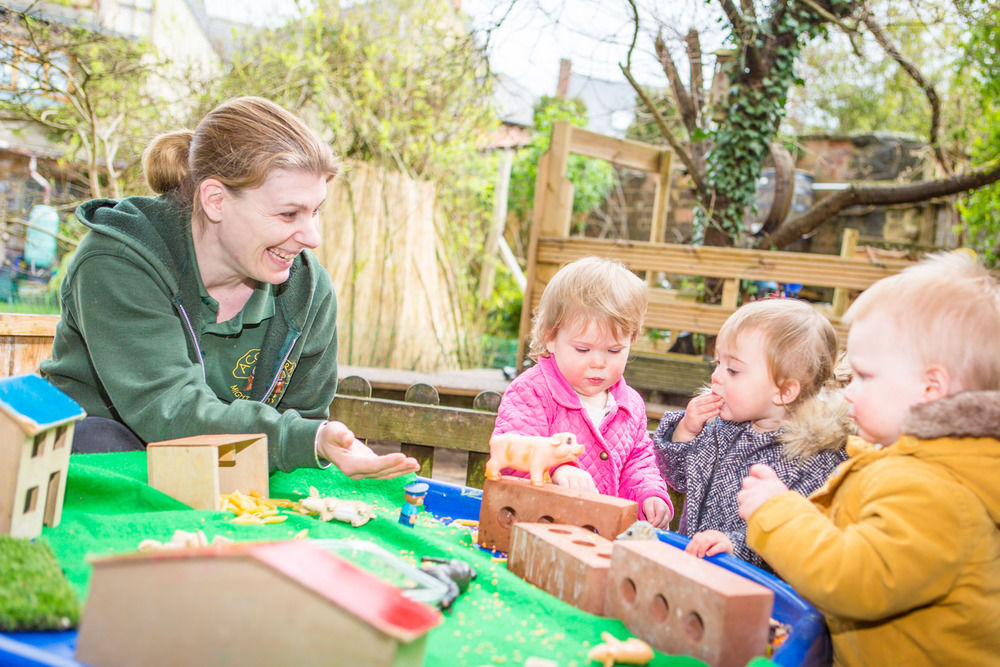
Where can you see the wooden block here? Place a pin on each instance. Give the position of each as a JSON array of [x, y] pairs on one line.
[[510, 499], [680, 603], [569, 562], [196, 470]]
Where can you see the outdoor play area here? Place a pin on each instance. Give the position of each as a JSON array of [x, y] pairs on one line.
[[373, 247]]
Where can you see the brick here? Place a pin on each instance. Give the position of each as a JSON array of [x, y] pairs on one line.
[[511, 499], [568, 562], [680, 603]]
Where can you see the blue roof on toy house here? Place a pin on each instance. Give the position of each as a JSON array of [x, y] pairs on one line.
[[35, 404]]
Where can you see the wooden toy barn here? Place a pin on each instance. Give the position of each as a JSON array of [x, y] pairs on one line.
[[279, 603], [36, 435]]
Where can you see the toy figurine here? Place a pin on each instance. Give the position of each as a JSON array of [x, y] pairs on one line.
[[614, 651], [640, 530], [414, 498], [354, 512], [456, 575], [531, 454]]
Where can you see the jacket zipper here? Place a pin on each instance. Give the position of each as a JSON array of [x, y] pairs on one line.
[[194, 338], [277, 376]]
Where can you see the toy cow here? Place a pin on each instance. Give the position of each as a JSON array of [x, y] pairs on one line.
[[533, 454]]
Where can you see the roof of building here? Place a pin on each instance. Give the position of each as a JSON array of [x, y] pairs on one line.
[[370, 599], [35, 404]]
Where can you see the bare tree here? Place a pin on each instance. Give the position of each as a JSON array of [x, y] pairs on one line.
[[724, 143]]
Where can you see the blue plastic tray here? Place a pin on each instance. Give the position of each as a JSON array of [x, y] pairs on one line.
[[808, 642]]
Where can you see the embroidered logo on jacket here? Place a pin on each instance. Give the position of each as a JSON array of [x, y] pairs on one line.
[[246, 368]]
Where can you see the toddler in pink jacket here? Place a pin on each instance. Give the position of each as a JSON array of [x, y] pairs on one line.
[[588, 317]]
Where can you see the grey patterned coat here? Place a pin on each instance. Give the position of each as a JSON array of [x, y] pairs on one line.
[[710, 468]]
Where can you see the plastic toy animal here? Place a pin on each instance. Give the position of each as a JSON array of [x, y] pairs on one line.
[[456, 575], [531, 453], [640, 530], [354, 512], [632, 651]]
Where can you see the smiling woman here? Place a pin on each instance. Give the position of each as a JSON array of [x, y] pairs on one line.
[[203, 310]]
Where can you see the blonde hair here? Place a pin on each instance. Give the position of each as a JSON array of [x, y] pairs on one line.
[[947, 308], [800, 343], [589, 289], [238, 142]]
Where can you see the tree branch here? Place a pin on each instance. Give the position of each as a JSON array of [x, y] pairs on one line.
[[695, 171], [929, 92], [681, 97], [878, 195], [694, 65], [697, 177], [742, 30]]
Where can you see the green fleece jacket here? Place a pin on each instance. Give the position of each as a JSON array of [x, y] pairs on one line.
[[127, 345]]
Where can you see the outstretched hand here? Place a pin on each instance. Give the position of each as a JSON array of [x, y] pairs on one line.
[[760, 485], [337, 444]]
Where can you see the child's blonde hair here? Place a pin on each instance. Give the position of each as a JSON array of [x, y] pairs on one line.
[[589, 289], [947, 308], [800, 343]]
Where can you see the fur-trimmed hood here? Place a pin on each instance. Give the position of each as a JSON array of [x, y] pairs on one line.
[[818, 423], [971, 414]]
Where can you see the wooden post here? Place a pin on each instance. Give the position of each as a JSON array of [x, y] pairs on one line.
[[848, 246], [427, 395], [504, 165], [475, 471], [559, 191]]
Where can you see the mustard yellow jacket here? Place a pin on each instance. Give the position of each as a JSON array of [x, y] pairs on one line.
[[900, 549]]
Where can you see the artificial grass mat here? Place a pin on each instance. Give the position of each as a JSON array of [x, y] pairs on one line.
[[501, 619], [34, 594]]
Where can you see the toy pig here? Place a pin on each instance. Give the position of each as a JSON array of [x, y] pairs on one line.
[[533, 454]]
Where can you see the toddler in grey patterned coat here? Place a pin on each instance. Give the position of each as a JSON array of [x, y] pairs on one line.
[[772, 400]]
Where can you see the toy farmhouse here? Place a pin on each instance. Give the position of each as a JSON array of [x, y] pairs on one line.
[[36, 435], [257, 604]]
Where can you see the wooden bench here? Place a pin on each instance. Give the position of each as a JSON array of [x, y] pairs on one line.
[[418, 424], [552, 246]]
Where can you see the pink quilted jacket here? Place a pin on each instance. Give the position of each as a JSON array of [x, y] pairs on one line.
[[619, 457]]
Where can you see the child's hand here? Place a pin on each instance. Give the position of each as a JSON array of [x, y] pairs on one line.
[[709, 543], [657, 512], [699, 410], [761, 484], [574, 478]]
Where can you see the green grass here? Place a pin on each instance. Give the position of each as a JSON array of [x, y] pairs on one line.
[[42, 304], [34, 593]]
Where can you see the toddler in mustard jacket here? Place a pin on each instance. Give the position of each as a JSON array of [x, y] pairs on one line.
[[900, 549]]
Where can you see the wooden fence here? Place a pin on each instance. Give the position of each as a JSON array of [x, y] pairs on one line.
[[552, 246], [382, 250]]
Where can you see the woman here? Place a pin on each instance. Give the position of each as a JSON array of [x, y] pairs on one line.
[[202, 310]]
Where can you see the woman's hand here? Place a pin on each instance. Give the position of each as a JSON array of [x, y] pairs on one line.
[[573, 478], [709, 543], [657, 512], [337, 444], [699, 410]]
